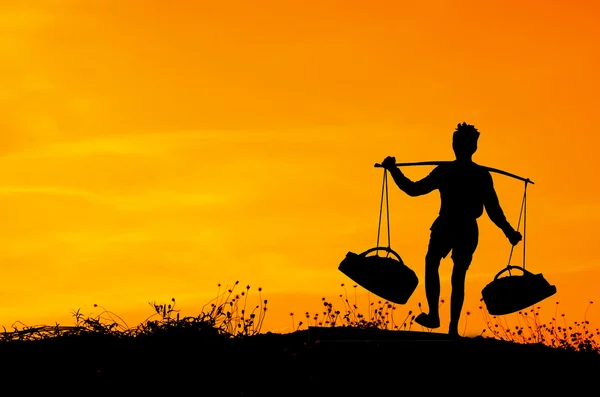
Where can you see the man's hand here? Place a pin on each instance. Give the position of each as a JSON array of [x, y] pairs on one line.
[[389, 163], [514, 237]]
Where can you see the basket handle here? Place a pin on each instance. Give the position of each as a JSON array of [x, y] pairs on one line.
[[509, 268], [387, 249]]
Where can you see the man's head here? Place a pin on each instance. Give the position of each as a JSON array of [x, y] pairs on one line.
[[464, 140]]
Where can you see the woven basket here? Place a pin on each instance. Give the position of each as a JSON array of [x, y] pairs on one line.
[[384, 276]]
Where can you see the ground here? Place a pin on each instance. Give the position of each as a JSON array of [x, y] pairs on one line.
[[317, 361]]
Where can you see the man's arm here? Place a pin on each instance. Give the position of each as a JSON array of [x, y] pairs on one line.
[[493, 209], [418, 188]]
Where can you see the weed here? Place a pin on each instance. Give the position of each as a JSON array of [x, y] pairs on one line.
[[230, 315], [578, 336], [226, 315]]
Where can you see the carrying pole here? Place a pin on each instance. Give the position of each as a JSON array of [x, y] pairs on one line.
[[527, 180]]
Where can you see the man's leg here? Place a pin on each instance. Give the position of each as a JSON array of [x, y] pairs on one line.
[[459, 274], [462, 255], [432, 284], [431, 319]]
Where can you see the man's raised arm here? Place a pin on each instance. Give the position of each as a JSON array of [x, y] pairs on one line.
[[418, 188]]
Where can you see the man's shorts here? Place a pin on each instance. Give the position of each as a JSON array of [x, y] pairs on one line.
[[460, 238]]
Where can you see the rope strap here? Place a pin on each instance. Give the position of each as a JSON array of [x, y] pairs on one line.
[[523, 214], [384, 194]]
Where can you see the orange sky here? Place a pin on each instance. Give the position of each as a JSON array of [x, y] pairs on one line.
[[154, 149]]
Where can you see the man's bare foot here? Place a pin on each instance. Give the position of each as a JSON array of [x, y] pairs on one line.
[[427, 320]]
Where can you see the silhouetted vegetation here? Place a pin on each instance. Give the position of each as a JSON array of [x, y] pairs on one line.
[[229, 315], [529, 327], [104, 350]]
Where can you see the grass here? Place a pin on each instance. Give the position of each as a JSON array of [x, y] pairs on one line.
[[231, 315], [525, 327], [557, 333], [224, 345]]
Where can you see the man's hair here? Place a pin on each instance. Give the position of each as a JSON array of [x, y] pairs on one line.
[[466, 132]]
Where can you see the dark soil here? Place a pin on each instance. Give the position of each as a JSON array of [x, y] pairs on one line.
[[320, 361]]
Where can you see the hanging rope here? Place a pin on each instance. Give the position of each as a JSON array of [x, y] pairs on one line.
[[522, 213], [384, 195], [387, 211], [524, 220]]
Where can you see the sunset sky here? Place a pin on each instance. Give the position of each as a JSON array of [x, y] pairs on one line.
[[154, 149]]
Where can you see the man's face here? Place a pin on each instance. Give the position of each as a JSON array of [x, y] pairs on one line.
[[464, 147]]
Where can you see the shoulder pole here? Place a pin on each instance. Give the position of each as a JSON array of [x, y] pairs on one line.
[[527, 180]]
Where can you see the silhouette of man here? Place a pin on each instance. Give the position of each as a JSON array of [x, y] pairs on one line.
[[465, 189]]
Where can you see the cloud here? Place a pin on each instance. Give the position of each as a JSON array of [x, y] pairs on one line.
[[46, 190], [123, 145], [18, 21], [145, 201]]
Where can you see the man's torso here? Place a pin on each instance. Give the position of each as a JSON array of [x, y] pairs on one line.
[[462, 186]]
